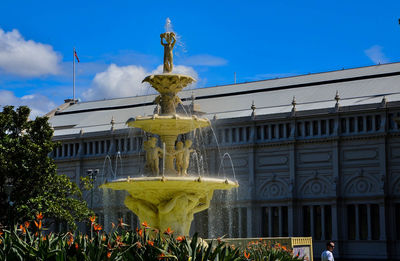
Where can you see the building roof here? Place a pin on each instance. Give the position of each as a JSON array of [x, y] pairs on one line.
[[358, 86]]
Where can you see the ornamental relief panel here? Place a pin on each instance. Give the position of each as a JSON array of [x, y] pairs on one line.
[[360, 154], [395, 181], [272, 160], [316, 185], [395, 152], [273, 187], [314, 157], [363, 183]]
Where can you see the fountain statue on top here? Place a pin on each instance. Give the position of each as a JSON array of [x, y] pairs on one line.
[[172, 199], [169, 44]]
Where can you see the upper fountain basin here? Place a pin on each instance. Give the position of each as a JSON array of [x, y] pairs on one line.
[[169, 83], [168, 124]]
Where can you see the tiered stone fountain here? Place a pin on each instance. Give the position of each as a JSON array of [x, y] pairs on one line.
[[172, 198]]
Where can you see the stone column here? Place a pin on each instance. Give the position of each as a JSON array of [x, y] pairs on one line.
[[292, 186], [280, 221], [270, 221], [240, 222], [249, 222], [334, 222], [357, 223], [312, 220], [63, 150], [68, 150], [369, 237], [322, 222], [382, 221]]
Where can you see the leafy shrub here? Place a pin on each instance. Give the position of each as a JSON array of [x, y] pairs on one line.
[[28, 242]]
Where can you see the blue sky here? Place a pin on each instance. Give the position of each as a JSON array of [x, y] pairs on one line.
[[118, 43]]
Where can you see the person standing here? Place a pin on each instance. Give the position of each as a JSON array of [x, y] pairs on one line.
[[327, 255]]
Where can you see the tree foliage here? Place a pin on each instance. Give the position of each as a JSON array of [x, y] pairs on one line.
[[25, 164]]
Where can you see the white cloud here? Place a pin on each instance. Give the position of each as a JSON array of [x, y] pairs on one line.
[[204, 60], [376, 55], [39, 104], [124, 81], [26, 57]]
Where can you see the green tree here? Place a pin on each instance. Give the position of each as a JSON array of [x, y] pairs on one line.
[[27, 169]]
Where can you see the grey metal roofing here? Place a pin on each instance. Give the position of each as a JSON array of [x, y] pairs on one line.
[[357, 86]]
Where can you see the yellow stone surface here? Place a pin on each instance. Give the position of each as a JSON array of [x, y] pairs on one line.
[[170, 125], [169, 201], [169, 83]]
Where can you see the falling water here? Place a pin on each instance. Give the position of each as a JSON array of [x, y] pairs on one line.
[[116, 164], [168, 25], [179, 43], [196, 156], [226, 154], [163, 162]]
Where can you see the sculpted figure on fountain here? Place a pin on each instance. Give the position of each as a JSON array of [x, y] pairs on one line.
[[182, 157], [153, 155], [169, 44]]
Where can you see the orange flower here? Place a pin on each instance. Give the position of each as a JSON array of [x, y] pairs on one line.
[[44, 238], [26, 224], [38, 225], [284, 248], [161, 256], [39, 216], [76, 246], [22, 229], [246, 255], [168, 231], [180, 238], [70, 239], [92, 219], [1, 232], [103, 238], [108, 254], [144, 224], [140, 232], [97, 227], [121, 223], [151, 243]]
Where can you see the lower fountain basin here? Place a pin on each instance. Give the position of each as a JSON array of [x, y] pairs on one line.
[[169, 202]]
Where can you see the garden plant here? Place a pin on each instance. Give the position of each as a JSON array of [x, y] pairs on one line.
[[30, 241]]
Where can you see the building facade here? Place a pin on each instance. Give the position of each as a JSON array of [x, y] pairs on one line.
[[315, 155]]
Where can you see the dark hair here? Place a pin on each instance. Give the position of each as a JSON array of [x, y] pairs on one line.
[[329, 243]]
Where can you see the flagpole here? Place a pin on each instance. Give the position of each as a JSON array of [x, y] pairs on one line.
[[73, 74]]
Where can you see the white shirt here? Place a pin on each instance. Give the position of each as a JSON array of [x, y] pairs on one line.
[[327, 256]]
